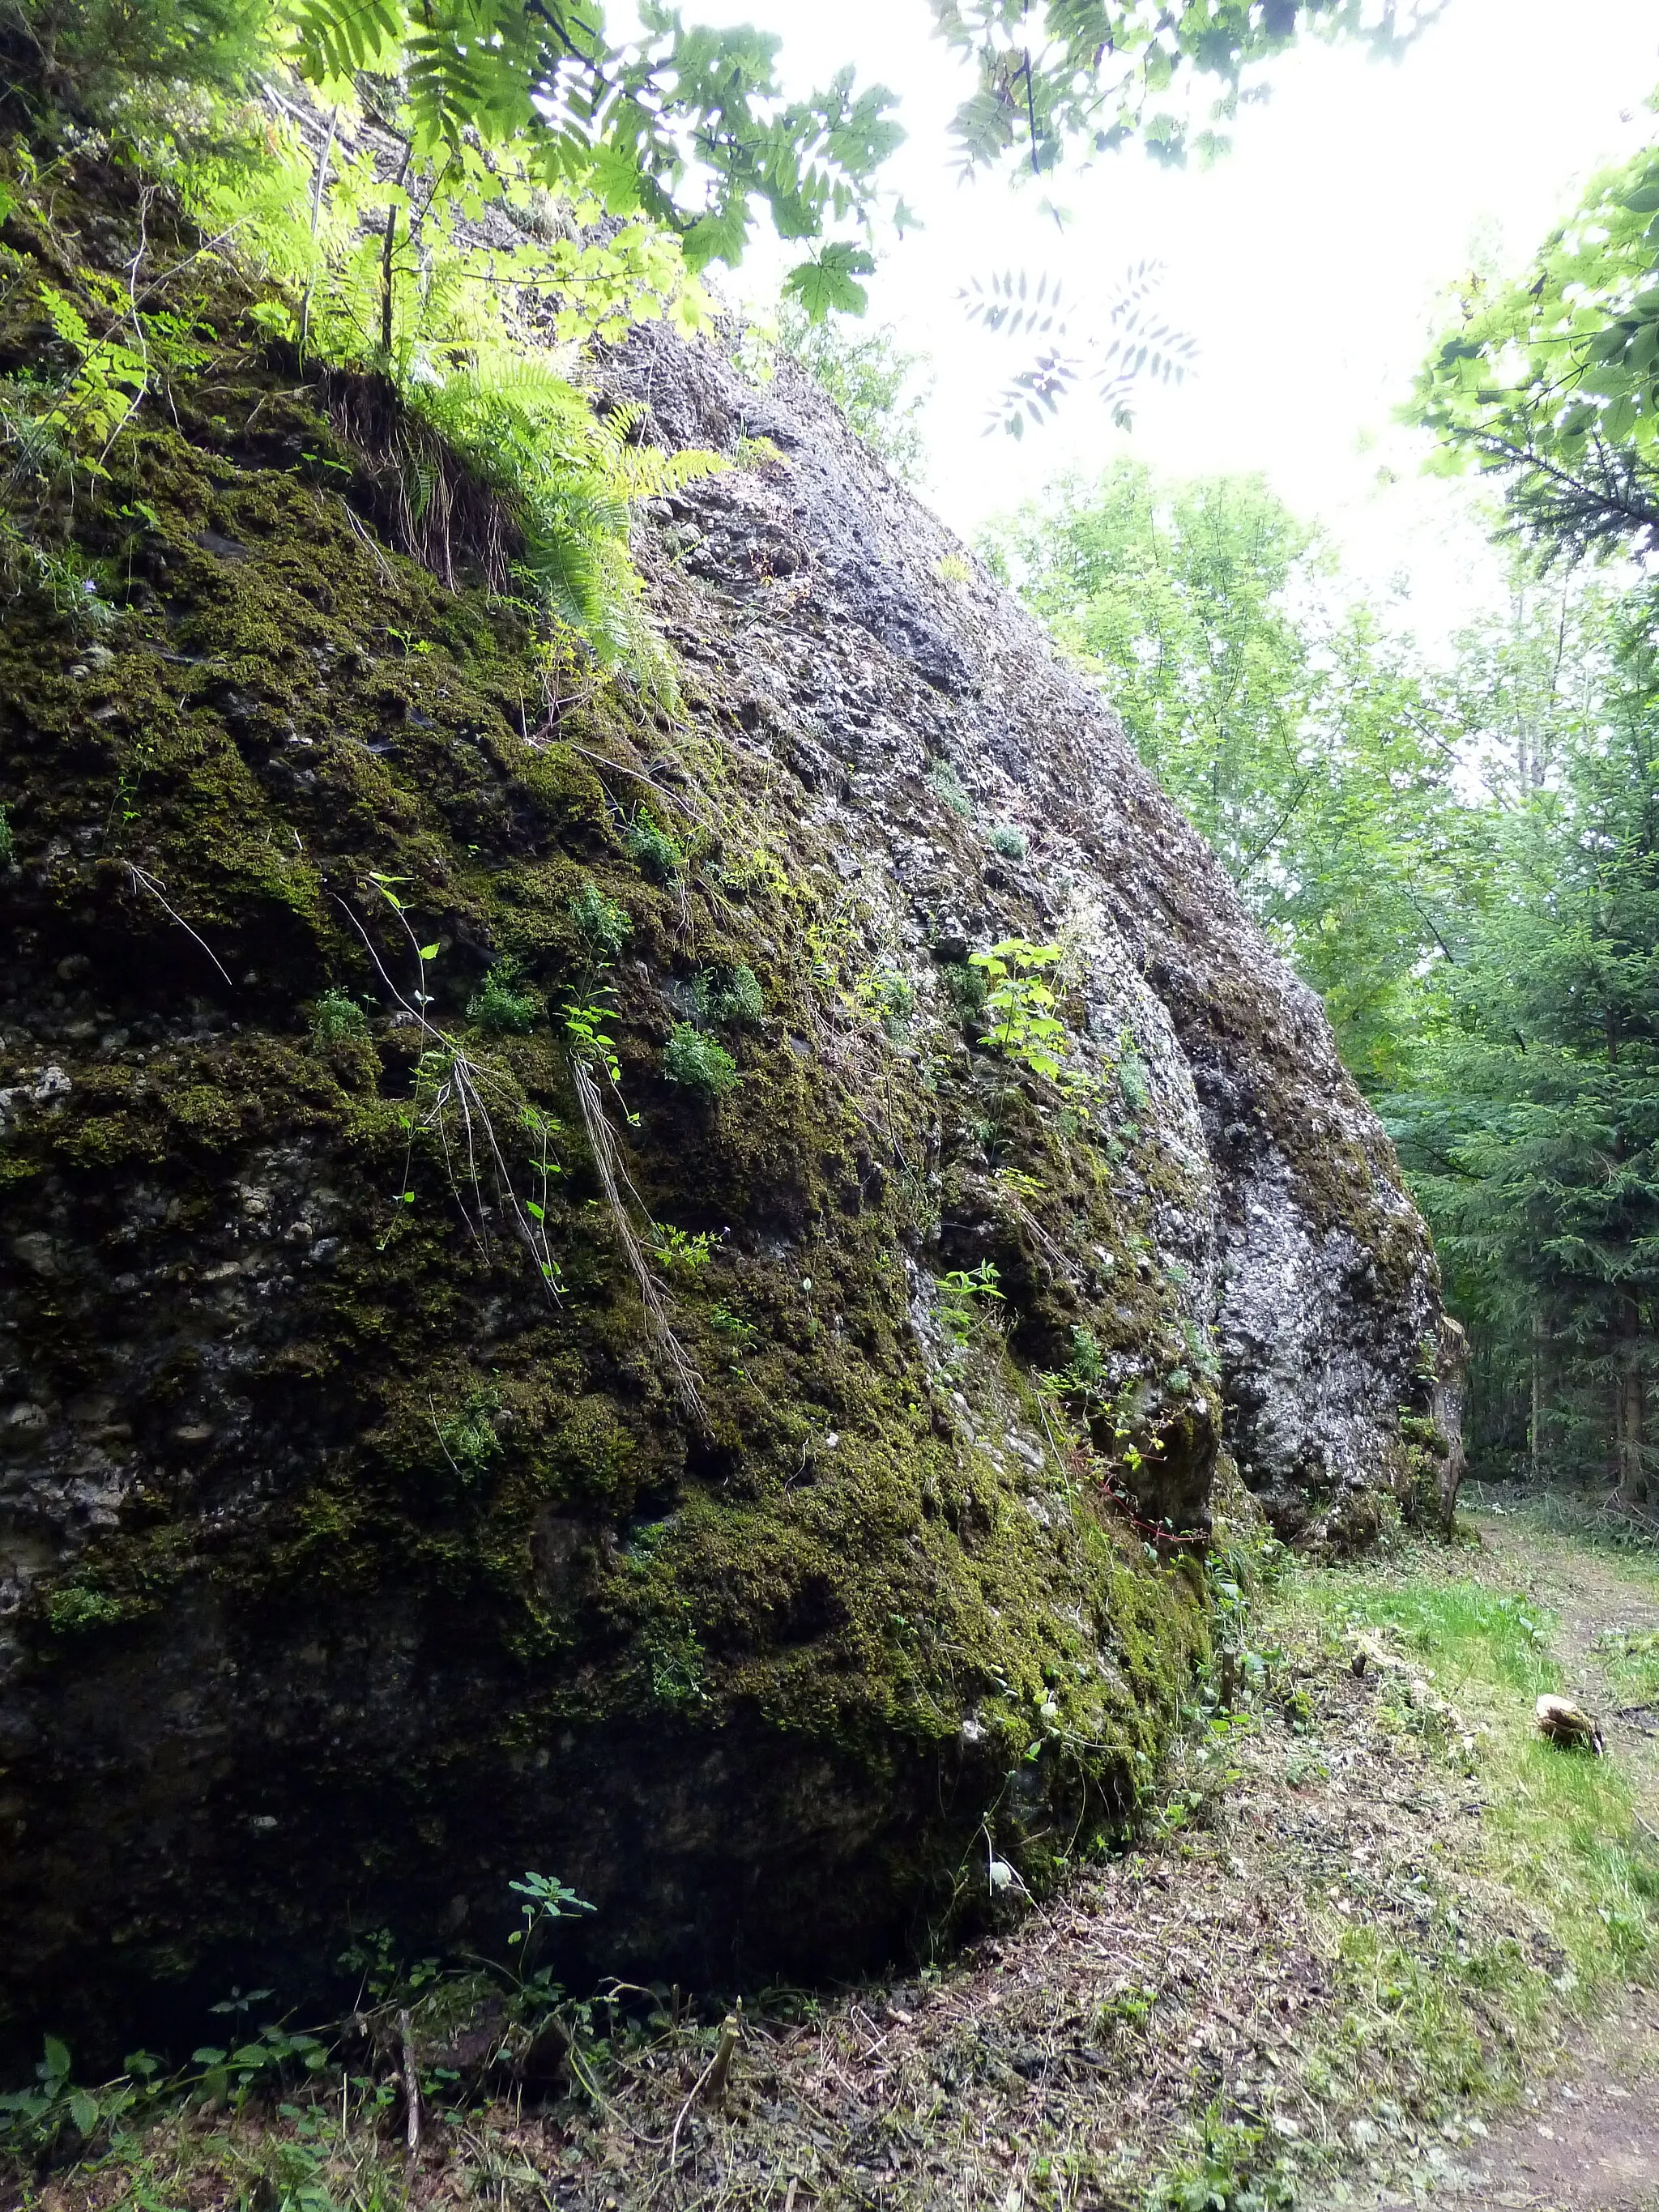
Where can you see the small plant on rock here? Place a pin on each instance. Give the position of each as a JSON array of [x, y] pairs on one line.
[[1020, 1022], [468, 1437], [965, 991], [681, 1251], [965, 1292], [1008, 840], [336, 1019], [741, 1331], [1086, 1369], [1132, 1075], [546, 1899], [891, 994], [8, 843], [741, 999], [698, 1062], [648, 843], [732, 995], [604, 927], [500, 1005], [949, 785], [587, 1035]]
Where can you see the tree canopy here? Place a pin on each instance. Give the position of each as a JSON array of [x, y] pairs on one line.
[[1305, 739], [1088, 75], [1551, 382], [1461, 853], [688, 123]]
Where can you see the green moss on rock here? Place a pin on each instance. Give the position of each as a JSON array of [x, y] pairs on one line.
[[360, 1572]]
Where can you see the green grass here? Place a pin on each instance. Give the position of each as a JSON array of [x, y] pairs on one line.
[[1464, 1632], [1559, 1833], [1630, 1659]]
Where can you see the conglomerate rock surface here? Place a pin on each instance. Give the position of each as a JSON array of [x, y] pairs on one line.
[[347, 1570]]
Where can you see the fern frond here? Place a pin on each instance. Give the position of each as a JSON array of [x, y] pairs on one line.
[[1035, 393], [1010, 303], [340, 38]]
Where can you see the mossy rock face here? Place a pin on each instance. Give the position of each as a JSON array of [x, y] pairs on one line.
[[347, 1568]]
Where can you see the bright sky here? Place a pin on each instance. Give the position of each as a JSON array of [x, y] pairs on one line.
[[1307, 264]]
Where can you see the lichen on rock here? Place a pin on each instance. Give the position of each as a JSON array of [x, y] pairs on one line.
[[361, 1541]]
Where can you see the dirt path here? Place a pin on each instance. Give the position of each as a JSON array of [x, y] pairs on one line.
[[1587, 2139]]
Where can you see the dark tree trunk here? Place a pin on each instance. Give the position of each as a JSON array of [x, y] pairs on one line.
[[1629, 1393]]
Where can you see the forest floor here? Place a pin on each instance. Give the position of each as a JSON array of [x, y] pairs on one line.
[[1382, 1946]]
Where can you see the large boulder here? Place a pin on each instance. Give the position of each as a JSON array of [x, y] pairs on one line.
[[422, 1460]]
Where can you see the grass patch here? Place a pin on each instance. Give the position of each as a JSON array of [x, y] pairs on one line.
[[1630, 1659], [1465, 1634], [1452, 2007]]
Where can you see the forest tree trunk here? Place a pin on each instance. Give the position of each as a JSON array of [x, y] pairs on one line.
[[1535, 1412], [1630, 1389]]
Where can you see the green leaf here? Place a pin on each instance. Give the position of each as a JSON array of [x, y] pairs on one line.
[[57, 2059], [719, 236], [1620, 419], [83, 2110], [429, 952], [339, 38], [615, 179], [827, 286]]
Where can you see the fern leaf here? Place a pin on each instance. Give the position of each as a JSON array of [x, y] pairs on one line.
[[339, 38]]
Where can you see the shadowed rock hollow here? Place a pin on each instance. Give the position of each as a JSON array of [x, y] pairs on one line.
[[346, 1573]]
